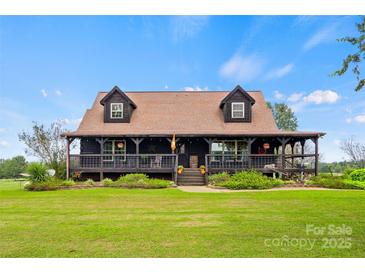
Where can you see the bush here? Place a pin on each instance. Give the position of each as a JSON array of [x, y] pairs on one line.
[[250, 180], [358, 175], [67, 183], [38, 173], [329, 181], [107, 182], [90, 182], [347, 171], [137, 180], [132, 178], [41, 186], [218, 178]]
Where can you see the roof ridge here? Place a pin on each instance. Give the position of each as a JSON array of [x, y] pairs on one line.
[[178, 91]]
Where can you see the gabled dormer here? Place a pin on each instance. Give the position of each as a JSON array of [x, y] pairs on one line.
[[237, 106], [118, 107]]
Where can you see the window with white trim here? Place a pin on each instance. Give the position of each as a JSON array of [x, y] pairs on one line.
[[238, 110], [116, 110], [114, 148]]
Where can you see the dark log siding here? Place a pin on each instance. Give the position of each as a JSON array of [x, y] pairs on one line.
[[89, 146], [127, 109], [227, 108]]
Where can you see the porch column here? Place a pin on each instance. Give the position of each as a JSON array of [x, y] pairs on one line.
[[101, 141], [249, 148], [315, 140], [67, 158], [137, 141], [283, 142], [292, 145]]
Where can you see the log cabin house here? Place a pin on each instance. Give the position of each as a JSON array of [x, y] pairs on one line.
[[155, 132]]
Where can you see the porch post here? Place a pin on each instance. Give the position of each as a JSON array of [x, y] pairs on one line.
[[101, 141], [292, 154], [137, 141], [67, 158], [249, 148], [283, 142], [315, 140]]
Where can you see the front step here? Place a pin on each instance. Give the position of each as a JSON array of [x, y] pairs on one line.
[[191, 177]]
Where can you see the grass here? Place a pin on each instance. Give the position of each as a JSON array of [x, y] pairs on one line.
[[109, 222]]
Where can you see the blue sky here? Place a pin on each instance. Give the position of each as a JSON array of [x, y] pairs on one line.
[[52, 67]]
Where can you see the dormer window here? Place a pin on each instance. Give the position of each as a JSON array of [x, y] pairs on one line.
[[238, 110], [116, 110]]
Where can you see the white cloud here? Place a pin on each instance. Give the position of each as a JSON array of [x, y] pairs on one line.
[[44, 93], [4, 143], [322, 97], [323, 35], [197, 88], [242, 68], [184, 27], [58, 92], [278, 95], [295, 97], [317, 97], [166, 86], [67, 121], [337, 142], [358, 119], [280, 72], [2, 130]]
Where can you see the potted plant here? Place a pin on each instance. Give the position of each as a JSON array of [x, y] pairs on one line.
[[202, 170], [180, 170]]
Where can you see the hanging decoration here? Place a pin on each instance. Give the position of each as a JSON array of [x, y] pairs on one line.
[[120, 145], [266, 146], [173, 143]]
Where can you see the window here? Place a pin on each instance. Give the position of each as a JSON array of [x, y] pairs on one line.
[[238, 110], [114, 147], [229, 147], [116, 110]]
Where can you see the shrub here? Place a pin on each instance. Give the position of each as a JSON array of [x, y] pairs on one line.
[[138, 180], [329, 181], [250, 180], [38, 172], [218, 178], [358, 175], [67, 183], [132, 178], [347, 171], [107, 182], [41, 186], [89, 181]]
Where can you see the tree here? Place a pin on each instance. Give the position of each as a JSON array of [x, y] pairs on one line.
[[355, 151], [11, 168], [354, 59], [47, 145], [284, 117]]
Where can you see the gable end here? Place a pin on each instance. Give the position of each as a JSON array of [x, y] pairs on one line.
[[116, 96], [237, 95]]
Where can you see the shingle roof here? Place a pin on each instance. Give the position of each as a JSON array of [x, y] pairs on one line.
[[180, 113]]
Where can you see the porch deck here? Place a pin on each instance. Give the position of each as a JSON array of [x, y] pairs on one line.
[[167, 163]]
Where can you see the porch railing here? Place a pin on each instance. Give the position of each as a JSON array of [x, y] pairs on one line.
[[123, 162], [259, 161]]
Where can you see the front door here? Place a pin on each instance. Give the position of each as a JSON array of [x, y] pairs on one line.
[[193, 161]]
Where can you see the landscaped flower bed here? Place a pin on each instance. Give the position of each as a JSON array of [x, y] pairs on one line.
[[137, 180], [350, 180], [244, 180]]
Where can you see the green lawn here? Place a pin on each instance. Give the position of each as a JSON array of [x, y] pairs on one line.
[[171, 223]]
